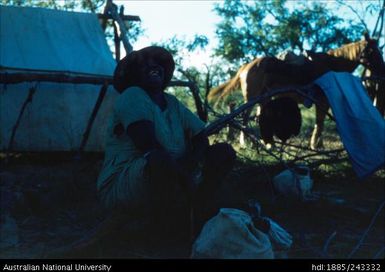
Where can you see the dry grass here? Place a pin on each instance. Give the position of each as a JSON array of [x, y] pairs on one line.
[[50, 201]]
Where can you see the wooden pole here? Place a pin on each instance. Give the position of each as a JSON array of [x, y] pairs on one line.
[[124, 17], [112, 10], [31, 92], [98, 103], [202, 113], [117, 43], [14, 78]]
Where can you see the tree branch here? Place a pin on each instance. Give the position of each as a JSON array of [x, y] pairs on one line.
[[344, 3]]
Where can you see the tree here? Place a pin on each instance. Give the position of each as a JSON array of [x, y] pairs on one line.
[[205, 78], [364, 9], [181, 49], [256, 28]]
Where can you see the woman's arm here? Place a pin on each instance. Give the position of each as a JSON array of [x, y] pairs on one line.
[[142, 133]]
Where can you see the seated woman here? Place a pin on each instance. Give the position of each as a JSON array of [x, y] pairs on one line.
[[155, 145]]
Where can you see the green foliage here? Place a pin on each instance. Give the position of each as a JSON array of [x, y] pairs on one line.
[[180, 47], [184, 96], [205, 78], [254, 28]]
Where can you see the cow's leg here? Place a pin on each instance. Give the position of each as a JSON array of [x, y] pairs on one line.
[[245, 121], [316, 141], [230, 131], [380, 97]]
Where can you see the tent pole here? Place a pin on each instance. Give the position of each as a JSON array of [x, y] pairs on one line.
[[98, 103], [31, 92], [117, 43], [113, 11], [61, 77]]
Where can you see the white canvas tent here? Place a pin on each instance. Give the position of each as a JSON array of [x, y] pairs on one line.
[[48, 43]]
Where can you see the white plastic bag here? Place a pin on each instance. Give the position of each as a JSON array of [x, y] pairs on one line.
[[231, 234], [294, 182], [279, 237]]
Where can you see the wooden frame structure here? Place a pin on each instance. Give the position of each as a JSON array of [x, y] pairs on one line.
[[120, 36], [110, 12]]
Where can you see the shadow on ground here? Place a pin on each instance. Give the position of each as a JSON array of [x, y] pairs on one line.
[[47, 204]]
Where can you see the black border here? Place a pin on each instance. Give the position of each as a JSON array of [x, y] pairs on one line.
[[211, 265]]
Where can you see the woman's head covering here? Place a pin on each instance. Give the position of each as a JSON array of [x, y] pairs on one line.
[[126, 73]]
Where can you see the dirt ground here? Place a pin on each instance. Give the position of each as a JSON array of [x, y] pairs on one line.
[[48, 203]]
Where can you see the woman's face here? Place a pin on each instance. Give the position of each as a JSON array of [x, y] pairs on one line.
[[151, 76]]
